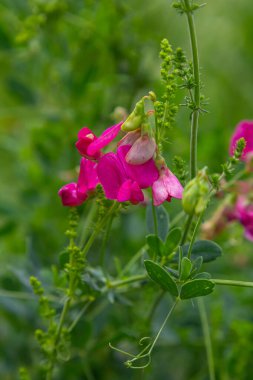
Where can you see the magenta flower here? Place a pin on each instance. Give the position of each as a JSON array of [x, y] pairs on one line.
[[243, 129], [74, 194], [166, 187], [70, 195], [85, 138], [90, 145], [123, 181], [244, 211]]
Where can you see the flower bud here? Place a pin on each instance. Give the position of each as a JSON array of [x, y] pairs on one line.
[[135, 119], [196, 194]]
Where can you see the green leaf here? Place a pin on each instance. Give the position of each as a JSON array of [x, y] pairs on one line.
[[196, 288], [155, 244], [206, 248], [196, 266], [159, 275], [205, 275], [186, 267], [172, 241], [162, 221]]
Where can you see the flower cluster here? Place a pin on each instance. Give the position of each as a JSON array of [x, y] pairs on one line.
[[238, 205], [123, 174]]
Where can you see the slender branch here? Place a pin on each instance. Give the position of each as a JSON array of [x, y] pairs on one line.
[[186, 229], [207, 338], [195, 114], [129, 280], [194, 235], [98, 228], [87, 223], [244, 284], [133, 260]]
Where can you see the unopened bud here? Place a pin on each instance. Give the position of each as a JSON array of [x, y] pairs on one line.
[[135, 119], [196, 194]]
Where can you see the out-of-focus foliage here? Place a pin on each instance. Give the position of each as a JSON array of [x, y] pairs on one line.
[[69, 63]]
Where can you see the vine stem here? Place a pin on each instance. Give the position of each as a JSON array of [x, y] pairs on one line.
[[207, 338], [72, 284], [194, 235], [195, 113], [97, 229], [186, 229]]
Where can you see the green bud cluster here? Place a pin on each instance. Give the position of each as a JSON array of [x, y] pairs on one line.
[[196, 194], [228, 167], [46, 310], [166, 109], [180, 169], [181, 8]]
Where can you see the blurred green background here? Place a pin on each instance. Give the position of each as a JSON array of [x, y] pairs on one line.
[[69, 63]]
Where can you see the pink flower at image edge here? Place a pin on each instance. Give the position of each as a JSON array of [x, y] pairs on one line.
[[243, 129]]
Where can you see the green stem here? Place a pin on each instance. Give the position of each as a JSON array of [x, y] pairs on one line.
[[244, 284], [72, 285], [186, 229], [129, 280], [98, 228], [105, 241], [207, 338], [87, 223], [164, 323], [194, 236], [79, 316], [154, 218], [195, 114], [133, 260]]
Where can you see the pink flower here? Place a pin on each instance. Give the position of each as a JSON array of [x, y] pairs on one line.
[[243, 129], [166, 187], [74, 194], [244, 212], [123, 181], [90, 145]]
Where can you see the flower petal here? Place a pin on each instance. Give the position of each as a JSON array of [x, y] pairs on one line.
[[111, 174], [159, 191], [142, 150], [130, 191], [144, 174], [172, 184], [85, 138], [88, 179], [69, 195], [107, 136]]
